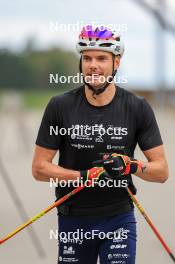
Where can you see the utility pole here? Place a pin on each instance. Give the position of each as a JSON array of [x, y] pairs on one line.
[[160, 54]]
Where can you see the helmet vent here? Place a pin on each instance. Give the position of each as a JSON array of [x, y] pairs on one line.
[[82, 44], [106, 44]]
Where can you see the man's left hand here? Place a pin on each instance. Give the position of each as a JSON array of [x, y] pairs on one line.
[[118, 165]]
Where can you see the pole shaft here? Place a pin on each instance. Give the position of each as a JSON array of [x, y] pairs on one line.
[[150, 223], [43, 212]]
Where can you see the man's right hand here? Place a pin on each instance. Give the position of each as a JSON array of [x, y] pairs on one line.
[[95, 173]]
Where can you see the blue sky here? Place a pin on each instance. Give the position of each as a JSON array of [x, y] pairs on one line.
[[22, 19]]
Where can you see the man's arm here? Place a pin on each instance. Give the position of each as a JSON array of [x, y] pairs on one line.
[[156, 169], [43, 169]]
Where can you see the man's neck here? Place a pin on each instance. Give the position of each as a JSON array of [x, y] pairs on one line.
[[103, 98]]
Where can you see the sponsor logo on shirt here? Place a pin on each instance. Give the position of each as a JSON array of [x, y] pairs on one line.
[[68, 250]]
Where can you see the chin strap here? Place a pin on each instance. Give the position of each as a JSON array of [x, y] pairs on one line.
[[103, 87]]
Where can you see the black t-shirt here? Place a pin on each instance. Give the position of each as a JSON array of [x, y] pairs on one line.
[[83, 132]]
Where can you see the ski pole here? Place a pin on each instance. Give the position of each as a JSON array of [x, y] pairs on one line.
[[150, 223], [49, 208], [43, 212], [137, 204], [21, 209], [67, 196]]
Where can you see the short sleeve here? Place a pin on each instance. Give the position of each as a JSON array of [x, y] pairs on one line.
[[47, 135], [148, 134]]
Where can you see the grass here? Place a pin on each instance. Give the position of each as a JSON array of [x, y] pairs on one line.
[[32, 99], [37, 99]]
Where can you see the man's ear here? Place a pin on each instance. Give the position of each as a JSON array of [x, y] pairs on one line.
[[117, 61]]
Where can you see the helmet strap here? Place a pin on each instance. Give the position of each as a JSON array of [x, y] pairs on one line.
[[104, 86]]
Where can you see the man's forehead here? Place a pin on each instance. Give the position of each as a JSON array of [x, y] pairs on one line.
[[96, 53]]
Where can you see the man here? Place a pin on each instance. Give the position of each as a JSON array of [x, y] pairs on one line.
[[98, 121]]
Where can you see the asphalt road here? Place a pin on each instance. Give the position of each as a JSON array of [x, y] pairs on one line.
[[17, 133]]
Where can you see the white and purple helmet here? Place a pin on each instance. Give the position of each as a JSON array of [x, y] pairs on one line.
[[100, 38]]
